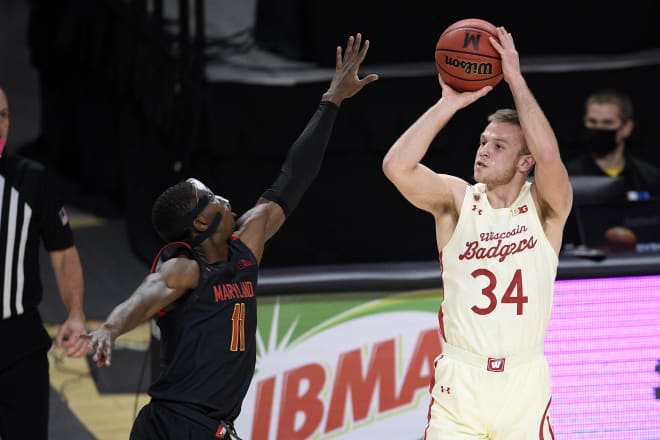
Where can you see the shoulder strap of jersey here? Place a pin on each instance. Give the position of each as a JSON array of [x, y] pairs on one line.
[[171, 245]]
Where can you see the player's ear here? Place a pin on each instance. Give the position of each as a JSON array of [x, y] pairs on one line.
[[200, 224], [526, 162]]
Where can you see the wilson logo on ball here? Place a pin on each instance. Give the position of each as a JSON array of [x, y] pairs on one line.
[[469, 67]]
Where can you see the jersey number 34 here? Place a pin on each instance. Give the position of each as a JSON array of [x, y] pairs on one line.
[[512, 295]]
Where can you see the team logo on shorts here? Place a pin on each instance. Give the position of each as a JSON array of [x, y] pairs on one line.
[[64, 217], [495, 365]]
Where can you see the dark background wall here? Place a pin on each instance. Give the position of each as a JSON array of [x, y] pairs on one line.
[[127, 109], [407, 31]]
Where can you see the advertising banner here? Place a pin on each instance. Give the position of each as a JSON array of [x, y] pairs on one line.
[[358, 365]]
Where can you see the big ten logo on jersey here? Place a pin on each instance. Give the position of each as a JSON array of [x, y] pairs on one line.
[[519, 210]]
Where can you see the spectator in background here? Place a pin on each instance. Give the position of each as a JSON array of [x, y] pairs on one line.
[[608, 121], [31, 212]]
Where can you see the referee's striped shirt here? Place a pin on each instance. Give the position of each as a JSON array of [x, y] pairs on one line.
[[30, 214]]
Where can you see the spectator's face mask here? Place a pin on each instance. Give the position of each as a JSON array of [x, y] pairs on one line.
[[599, 141]]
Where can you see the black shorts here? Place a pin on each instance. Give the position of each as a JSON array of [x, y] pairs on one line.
[[158, 421]]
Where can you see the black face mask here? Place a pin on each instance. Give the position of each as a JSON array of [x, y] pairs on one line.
[[598, 141]]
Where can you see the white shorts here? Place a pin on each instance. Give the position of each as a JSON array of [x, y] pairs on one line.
[[476, 397]]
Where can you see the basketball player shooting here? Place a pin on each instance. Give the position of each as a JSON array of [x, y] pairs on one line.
[[498, 242]]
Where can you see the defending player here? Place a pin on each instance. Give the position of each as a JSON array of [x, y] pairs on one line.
[[203, 288]]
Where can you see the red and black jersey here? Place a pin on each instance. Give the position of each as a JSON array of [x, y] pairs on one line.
[[208, 347]]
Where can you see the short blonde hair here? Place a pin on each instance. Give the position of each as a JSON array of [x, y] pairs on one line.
[[509, 116]]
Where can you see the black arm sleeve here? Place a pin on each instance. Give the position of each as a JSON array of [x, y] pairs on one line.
[[303, 161]]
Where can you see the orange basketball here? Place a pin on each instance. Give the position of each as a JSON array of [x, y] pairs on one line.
[[464, 57]]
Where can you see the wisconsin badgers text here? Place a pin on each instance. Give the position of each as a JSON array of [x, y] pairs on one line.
[[498, 250]]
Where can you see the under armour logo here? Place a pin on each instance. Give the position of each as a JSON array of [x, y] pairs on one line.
[[243, 263], [445, 390], [478, 210]]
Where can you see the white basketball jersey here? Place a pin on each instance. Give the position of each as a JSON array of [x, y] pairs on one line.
[[498, 273]]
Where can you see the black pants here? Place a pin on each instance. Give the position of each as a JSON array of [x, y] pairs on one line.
[[24, 398], [158, 421]]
